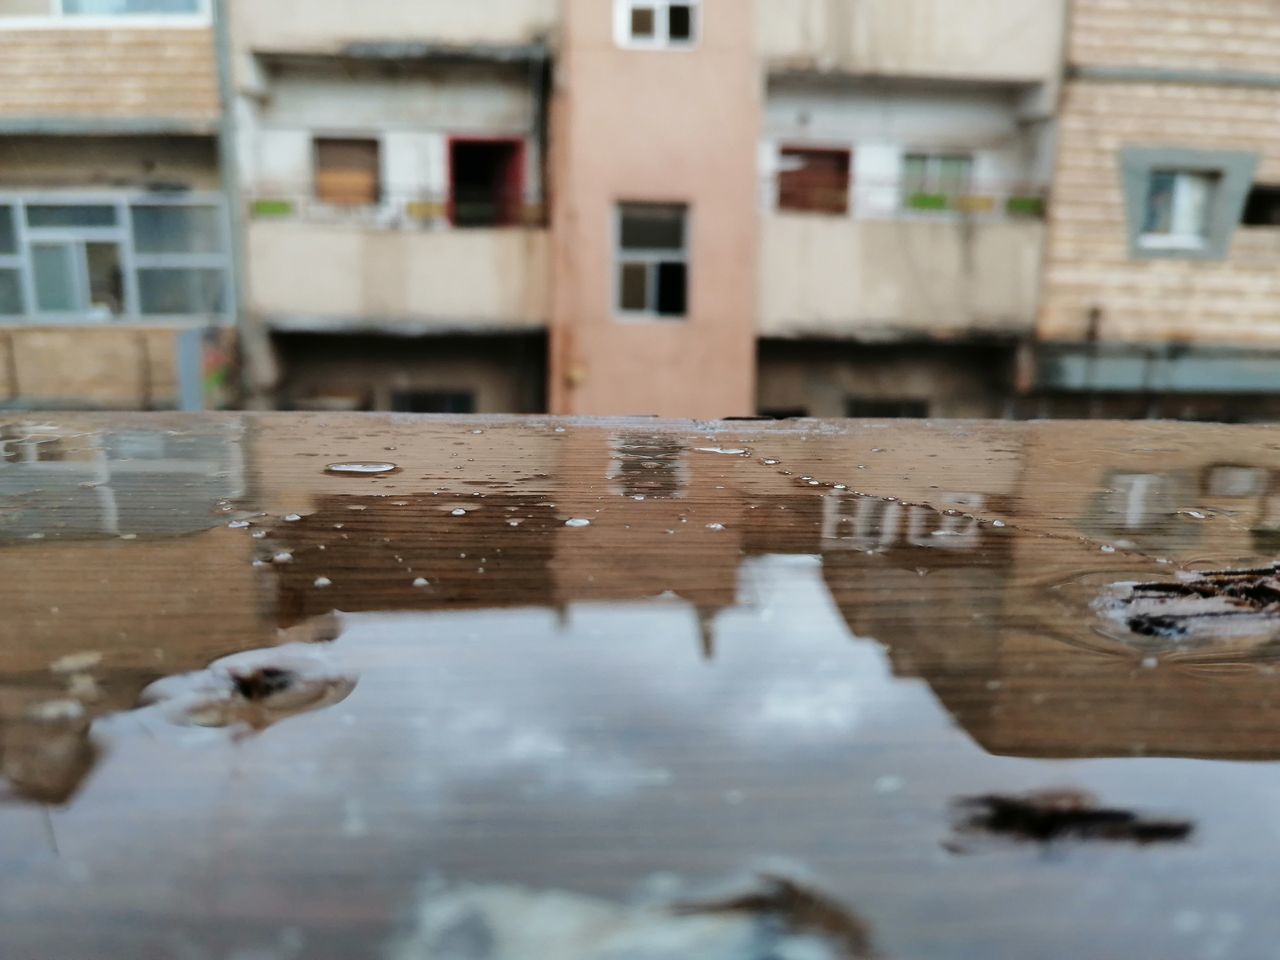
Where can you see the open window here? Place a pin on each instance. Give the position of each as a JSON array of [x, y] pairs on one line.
[[347, 171], [883, 408], [656, 24], [433, 401], [813, 179], [1262, 206], [653, 261], [486, 182], [1177, 208]]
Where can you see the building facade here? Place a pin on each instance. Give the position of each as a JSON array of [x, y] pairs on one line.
[[115, 270], [1161, 295]]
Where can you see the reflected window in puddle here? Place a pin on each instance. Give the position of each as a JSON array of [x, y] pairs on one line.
[[648, 465]]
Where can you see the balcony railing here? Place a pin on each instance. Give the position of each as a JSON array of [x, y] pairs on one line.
[[406, 211], [902, 198]]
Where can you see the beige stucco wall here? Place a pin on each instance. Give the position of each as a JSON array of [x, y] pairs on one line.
[[655, 126], [92, 367], [454, 279], [1231, 301], [1016, 40], [329, 25], [832, 276], [160, 74]]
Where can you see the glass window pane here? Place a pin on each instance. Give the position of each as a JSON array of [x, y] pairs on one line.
[[55, 277], [177, 229], [1191, 206], [672, 283], [78, 215], [680, 22], [954, 174], [643, 20], [10, 293], [915, 173], [106, 279], [634, 288], [652, 227], [8, 236], [1159, 212], [172, 292], [111, 8]]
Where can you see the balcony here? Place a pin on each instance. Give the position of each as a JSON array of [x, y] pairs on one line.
[[408, 264], [995, 40], [328, 27], [895, 261]]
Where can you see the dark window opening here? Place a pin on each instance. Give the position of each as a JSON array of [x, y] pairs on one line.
[[433, 401], [348, 172], [680, 23], [877, 407], [648, 466], [785, 413], [486, 182], [1262, 208], [814, 180], [672, 289]]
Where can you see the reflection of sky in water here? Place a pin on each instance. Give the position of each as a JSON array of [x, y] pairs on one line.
[[517, 749]]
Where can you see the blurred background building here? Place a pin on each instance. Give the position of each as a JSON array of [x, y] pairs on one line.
[[703, 208]]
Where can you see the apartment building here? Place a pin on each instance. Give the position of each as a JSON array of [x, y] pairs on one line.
[[391, 160], [115, 280], [1162, 295]]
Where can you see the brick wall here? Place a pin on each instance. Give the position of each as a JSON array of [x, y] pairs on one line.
[[138, 74], [1237, 35], [1231, 302]]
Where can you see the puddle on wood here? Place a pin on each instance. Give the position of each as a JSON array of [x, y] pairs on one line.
[[802, 653]]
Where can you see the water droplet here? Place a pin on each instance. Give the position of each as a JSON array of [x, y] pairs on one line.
[[513, 523], [258, 534], [839, 486], [477, 431], [577, 522], [1194, 514], [361, 468], [284, 556], [997, 523], [421, 582], [727, 451], [559, 429], [35, 536], [638, 496], [127, 536], [813, 483], [238, 524], [1107, 548], [292, 518], [1150, 663], [323, 582], [770, 462], [715, 526], [459, 512]]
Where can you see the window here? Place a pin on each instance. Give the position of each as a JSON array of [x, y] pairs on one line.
[[1262, 207], [1177, 208], [94, 259], [486, 182], [347, 172], [656, 23], [813, 179], [652, 259], [431, 401], [881, 408], [936, 181], [118, 8]]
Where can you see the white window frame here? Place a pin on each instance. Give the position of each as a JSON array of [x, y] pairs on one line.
[[1182, 200], [58, 18], [660, 39], [650, 258], [131, 261], [933, 158]]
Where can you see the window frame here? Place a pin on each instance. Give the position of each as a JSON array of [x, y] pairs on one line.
[[132, 262], [843, 150], [58, 18], [651, 257], [380, 150], [1235, 171], [934, 158], [1180, 199], [661, 40]]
